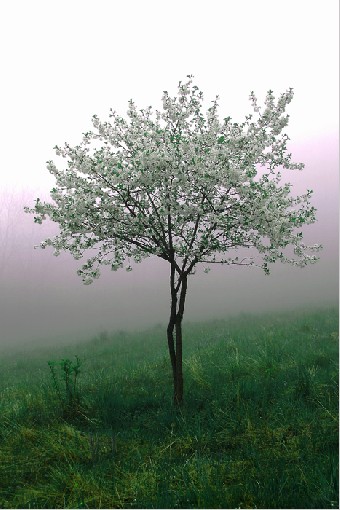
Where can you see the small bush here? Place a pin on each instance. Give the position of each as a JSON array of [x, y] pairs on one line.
[[68, 393]]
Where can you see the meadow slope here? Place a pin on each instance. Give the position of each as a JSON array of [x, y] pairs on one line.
[[259, 427]]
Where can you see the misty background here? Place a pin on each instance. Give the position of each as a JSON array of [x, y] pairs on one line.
[[64, 64]]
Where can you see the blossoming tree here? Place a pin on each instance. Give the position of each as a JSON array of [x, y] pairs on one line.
[[184, 186]]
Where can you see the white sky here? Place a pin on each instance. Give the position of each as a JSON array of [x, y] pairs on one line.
[[63, 61]]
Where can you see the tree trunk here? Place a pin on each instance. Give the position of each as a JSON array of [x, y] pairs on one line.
[[171, 325], [175, 324]]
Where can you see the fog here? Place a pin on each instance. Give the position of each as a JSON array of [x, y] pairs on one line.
[[43, 299], [66, 64]]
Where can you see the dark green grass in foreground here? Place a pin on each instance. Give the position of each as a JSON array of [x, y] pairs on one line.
[[259, 427]]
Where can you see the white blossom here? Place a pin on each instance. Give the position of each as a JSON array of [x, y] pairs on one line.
[[179, 184]]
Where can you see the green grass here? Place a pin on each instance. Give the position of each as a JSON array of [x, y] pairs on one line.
[[259, 428]]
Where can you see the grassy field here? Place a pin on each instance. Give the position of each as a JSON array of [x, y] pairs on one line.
[[259, 428]]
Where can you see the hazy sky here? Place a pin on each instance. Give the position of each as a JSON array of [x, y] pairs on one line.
[[61, 62]]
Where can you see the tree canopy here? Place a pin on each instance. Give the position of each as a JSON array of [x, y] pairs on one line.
[[179, 184]]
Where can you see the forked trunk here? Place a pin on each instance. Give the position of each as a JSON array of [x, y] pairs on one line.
[[174, 333]]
